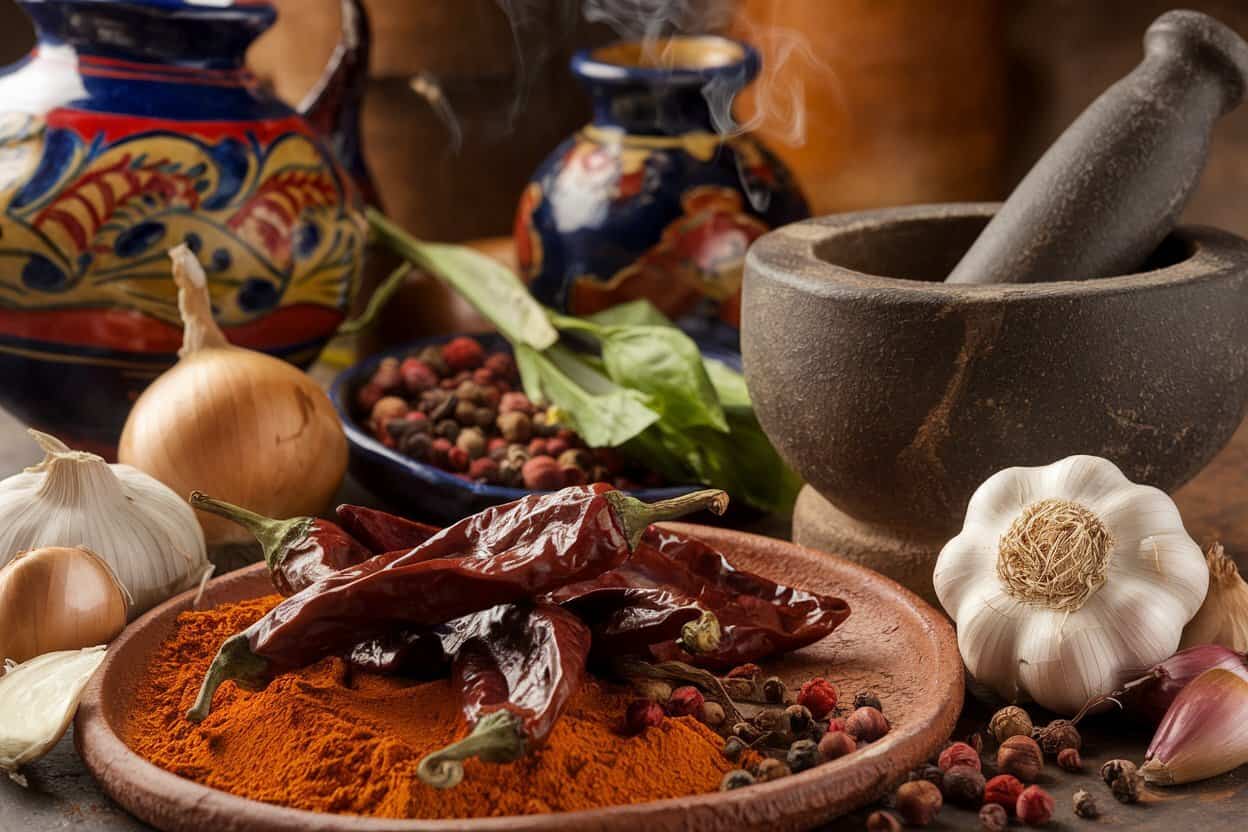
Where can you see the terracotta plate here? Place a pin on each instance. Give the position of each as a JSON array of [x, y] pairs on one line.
[[892, 642]]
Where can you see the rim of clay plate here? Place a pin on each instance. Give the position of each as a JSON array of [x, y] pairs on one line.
[[790, 255], [796, 802]]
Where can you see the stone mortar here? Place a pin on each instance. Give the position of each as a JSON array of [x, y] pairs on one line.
[[895, 395]]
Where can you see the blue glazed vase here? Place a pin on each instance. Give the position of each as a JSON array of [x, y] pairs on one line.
[[134, 126], [652, 199]]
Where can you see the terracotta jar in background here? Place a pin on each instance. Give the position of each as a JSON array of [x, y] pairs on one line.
[[902, 101], [440, 181]]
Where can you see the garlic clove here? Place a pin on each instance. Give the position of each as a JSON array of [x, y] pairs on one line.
[[1062, 661], [1204, 733], [996, 503], [1081, 479], [1223, 617], [961, 561], [37, 701], [987, 640]]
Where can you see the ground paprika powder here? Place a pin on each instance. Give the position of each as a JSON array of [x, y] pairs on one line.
[[329, 739]]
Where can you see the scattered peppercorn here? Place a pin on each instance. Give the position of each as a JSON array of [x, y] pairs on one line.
[[642, 714], [463, 353], [883, 822], [1068, 759], [1114, 769], [775, 692], [712, 714], [1085, 805], [1058, 734], [737, 779], [836, 744], [1034, 806], [867, 699], [993, 818], [918, 802], [747, 732], [1003, 789], [964, 786], [771, 769], [802, 755], [1126, 786], [819, 695], [686, 701], [800, 718], [931, 774], [1010, 721], [866, 724], [958, 754], [734, 747], [836, 723], [1021, 757], [541, 473], [773, 721]]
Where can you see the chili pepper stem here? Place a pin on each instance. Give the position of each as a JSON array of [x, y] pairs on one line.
[[703, 635], [635, 516], [497, 738], [234, 661], [275, 536]]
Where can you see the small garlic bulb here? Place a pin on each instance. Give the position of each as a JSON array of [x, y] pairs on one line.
[[140, 528], [1223, 618], [1065, 579]]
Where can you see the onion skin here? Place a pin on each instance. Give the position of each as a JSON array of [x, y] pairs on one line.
[[1204, 733], [1154, 692], [243, 426], [55, 599]]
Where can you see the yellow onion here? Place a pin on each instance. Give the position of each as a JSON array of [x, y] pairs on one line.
[[55, 599], [244, 426]]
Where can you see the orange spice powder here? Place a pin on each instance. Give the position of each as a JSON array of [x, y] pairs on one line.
[[331, 740]]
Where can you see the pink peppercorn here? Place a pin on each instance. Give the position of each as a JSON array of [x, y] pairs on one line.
[[959, 754], [642, 714], [819, 695], [417, 376], [686, 701], [1034, 806], [463, 353]]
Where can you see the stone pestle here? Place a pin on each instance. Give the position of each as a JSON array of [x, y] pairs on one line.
[[1111, 188]]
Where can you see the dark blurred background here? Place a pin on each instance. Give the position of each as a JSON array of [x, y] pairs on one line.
[[899, 100]]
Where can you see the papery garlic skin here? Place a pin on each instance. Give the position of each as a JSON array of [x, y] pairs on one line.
[[1154, 580], [1223, 617], [147, 534], [37, 701]]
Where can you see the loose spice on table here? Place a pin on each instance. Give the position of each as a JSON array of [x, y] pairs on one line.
[[335, 741]]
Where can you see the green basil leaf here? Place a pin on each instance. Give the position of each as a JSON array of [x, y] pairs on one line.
[[603, 413], [665, 364], [495, 290], [729, 385], [633, 313]]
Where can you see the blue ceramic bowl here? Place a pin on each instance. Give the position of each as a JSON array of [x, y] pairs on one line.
[[428, 492]]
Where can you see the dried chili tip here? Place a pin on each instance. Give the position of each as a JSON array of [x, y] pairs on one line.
[[497, 738]]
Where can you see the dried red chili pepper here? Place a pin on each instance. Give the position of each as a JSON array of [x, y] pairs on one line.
[[382, 531], [502, 555], [515, 668], [627, 614], [299, 551], [759, 617]]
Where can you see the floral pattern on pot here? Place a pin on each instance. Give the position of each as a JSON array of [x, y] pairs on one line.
[[649, 200], [132, 127]]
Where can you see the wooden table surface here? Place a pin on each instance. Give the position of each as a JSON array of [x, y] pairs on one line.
[[62, 795]]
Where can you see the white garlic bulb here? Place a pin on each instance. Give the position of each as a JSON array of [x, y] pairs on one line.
[[145, 532], [1065, 579]]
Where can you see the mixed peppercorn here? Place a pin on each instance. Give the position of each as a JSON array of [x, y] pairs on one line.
[[957, 777], [460, 408]]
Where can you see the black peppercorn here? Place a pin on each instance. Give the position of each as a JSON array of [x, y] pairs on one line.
[[1085, 805], [867, 699], [931, 774], [800, 718], [774, 691], [738, 779], [747, 732], [771, 769], [734, 747], [802, 755], [963, 786], [447, 429]]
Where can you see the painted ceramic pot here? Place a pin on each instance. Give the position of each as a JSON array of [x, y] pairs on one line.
[[652, 200], [132, 127]]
